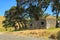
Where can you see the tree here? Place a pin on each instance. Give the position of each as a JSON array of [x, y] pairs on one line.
[[45, 15], [56, 9], [34, 5], [34, 11], [16, 16], [11, 16], [8, 22], [44, 4]]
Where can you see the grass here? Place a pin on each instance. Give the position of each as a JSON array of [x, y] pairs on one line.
[[37, 32], [2, 29], [1, 20]]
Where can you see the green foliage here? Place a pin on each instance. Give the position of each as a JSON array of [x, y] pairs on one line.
[[14, 16], [58, 18], [45, 15], [34, 11]]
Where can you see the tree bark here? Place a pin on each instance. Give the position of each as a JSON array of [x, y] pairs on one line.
[[57, 14], [36, 16], [15, 28], [6, 29], [25, 26]]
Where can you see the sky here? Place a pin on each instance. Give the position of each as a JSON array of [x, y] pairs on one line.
[[49, 10], [7, 4]]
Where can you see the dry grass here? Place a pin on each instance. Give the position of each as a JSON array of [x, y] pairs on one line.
[[1, 25], [36, 33], [2, 29]]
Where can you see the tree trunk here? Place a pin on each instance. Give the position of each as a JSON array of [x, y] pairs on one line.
[[15, 28], [25, 26], [36, 16], [6, 28], [57, 19]]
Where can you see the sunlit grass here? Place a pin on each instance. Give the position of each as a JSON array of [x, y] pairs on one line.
[[1, 25], [36, 32]]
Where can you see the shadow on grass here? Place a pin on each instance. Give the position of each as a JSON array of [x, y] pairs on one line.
[[56, 37]]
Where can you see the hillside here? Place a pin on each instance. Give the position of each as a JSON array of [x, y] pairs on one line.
[[1, 25], [1, 20], [2, 29]]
